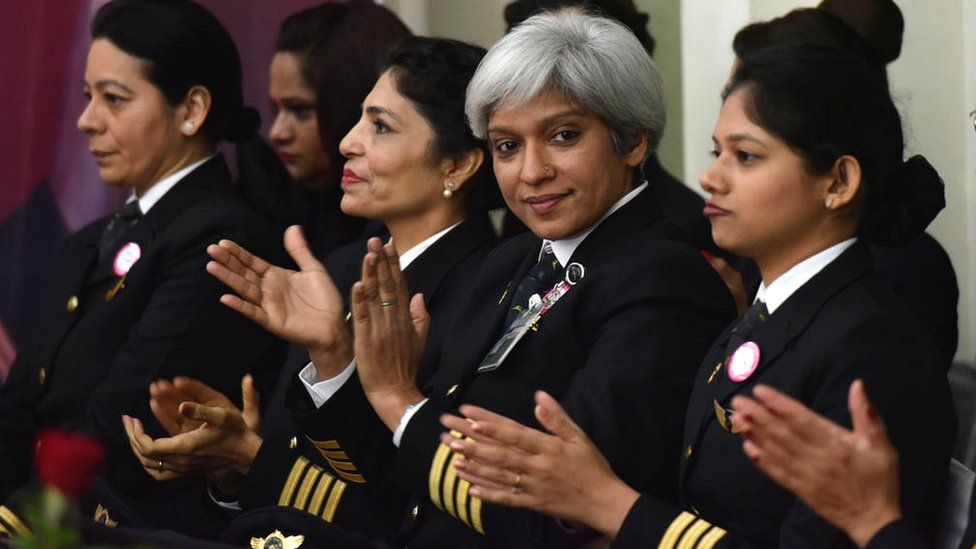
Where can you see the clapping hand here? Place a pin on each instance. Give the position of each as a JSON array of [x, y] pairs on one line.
[[849, 477], [303, 307], [210, 434], [390, 332], [561, 474]]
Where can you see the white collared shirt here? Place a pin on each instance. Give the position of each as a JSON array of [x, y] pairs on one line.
[[563, 249], [792, 280], [157, 191], [322, 390]]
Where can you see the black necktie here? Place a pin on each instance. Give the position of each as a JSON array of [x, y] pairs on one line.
[[540, 278], [745, 325], [120, 222]]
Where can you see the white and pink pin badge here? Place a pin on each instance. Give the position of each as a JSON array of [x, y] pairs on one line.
[[744, 361], [127, 257]]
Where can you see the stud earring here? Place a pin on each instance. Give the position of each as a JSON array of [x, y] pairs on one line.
[[188, 127], [449, 189], [829, 202]]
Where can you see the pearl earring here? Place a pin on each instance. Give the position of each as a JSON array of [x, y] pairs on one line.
[[449, 189], [188, 127], [829, 202]]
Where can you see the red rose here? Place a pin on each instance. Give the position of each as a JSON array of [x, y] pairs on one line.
[[68, 461]]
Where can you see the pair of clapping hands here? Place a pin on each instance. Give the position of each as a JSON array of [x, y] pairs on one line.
[[849, 477], [208, 434]]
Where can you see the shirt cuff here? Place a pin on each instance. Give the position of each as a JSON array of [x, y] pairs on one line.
[[405, 419], [230, 505], [322, 390]]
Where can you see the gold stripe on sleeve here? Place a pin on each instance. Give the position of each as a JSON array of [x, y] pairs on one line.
[[333, 504], [352, 477], [4, 532], [476, 515], [293, 477], [319, 496], [436, 471], [347, 466], [711, 538], [692, 535], [674, 531], [310, 479], [15, 524], [461, 500], [335, 454], [448, 487], [325, 444]]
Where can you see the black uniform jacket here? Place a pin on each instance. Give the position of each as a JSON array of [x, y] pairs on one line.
[[100, 340], [444, 274], [842, 325], [620, 349]]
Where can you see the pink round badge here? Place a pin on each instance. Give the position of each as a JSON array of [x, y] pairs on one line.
[[126, 258], [744, 362]]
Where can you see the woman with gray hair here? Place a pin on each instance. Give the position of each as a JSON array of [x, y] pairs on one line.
[[599, 304]]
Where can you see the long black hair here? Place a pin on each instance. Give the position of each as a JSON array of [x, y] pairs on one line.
[[826, 104], [182, 45]]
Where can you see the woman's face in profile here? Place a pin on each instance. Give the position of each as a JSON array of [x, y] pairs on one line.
[[763, 200], [556, 165], [294, 132], [389, 173], [133, 133]]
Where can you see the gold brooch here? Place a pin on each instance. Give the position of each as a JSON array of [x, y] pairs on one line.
[[277, 540], [725, 418]]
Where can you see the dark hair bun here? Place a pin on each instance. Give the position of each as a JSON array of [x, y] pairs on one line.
[[244, 126], [914, 196], [879, 22]]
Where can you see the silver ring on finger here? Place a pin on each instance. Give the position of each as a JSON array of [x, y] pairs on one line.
[[518, 480], [387, 303], [159, 466]]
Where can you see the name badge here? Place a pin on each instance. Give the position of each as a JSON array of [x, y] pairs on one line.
[[525, 321]]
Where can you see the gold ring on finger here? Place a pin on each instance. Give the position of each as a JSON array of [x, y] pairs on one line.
[[518, 481], [159, 466]]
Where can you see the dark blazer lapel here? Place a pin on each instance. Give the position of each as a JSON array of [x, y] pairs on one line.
[[775, 335], [628, 220], [792, 318], [484, 329], [796, 313], [212, 176], [425, 274]]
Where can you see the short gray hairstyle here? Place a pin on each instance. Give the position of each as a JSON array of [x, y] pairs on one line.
[[594, 61]]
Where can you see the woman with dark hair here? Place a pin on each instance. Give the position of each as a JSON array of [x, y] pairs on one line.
[[129, 300], [413, 164], [808, 167], [326, 60], [325, 63], [918, 270]]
